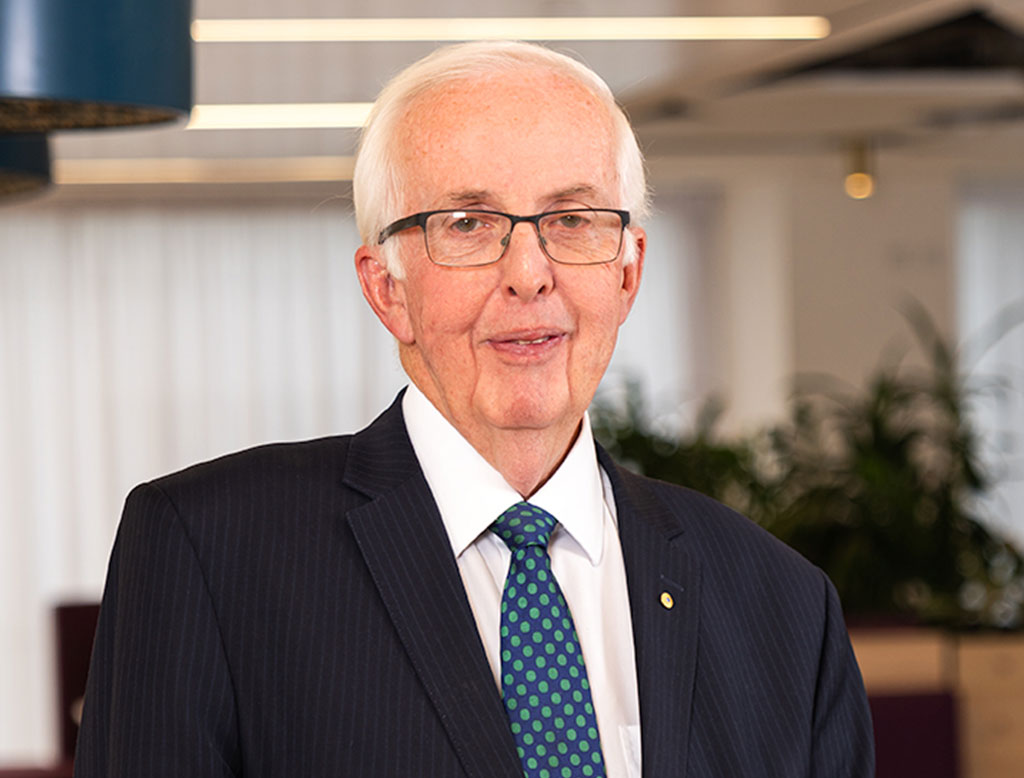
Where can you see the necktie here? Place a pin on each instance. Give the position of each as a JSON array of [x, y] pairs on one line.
[[543, 679]]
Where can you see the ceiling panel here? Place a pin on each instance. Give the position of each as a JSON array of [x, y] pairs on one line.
[[686, 97]]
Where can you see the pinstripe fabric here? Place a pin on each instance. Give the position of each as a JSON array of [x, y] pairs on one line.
[[271, 613], [751, 672]]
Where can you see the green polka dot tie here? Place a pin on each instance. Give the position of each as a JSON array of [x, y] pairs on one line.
[[543, 679]]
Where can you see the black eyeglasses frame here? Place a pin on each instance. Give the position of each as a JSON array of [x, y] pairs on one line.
[[420, 220]]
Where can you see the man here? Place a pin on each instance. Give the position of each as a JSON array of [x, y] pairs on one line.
[[468, 586]]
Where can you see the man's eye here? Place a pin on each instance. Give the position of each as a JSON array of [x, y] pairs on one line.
[[571, 220], [467, 224]]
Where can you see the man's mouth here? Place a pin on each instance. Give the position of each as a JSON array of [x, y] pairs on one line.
[[526, 343], [533, 342]]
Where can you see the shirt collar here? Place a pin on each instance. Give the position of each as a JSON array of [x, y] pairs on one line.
[[471, 494]]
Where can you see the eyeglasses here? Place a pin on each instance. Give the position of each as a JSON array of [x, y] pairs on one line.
[[464, 238]]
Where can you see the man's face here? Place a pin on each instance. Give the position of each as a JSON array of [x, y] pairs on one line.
[[522, 343]]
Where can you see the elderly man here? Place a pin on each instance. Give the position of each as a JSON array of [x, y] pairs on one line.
[[469, 586]]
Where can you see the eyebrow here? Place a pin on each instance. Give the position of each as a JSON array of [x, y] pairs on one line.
[[483, 195], [467, 196], [579, 189]]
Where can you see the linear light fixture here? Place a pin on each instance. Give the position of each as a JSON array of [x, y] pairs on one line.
[[192, 170], [595, 28], [271, 116]]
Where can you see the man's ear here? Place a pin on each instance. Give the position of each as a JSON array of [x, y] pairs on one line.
[[384, 293], [632, 272]]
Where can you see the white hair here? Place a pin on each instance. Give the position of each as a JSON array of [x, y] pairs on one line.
[[376, 181]]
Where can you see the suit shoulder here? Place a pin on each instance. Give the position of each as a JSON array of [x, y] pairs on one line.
[[262, 474]]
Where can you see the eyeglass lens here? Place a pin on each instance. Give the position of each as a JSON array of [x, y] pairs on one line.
[[479, 237]]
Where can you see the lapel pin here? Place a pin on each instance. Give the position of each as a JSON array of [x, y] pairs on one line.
[[667, 601]]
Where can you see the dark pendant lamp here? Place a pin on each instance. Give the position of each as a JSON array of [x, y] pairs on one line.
[[24, 164], [93, 63]]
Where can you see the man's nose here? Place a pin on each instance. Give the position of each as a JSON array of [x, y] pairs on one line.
[[528, 270]]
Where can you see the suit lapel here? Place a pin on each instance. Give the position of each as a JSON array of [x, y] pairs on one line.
[[406, 548], [404, 544], [665, 638]]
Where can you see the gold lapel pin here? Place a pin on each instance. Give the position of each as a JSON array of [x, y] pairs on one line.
[[667, 601]]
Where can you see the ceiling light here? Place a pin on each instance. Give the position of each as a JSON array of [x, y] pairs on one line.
[[516, 28], [272, 116], [860, 180], [192, 170]]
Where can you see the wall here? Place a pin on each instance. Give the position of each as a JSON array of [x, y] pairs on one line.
[[802, 279], [857, 263]]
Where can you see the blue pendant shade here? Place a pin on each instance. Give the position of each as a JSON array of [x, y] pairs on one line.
[[93, 63], [24, 164]]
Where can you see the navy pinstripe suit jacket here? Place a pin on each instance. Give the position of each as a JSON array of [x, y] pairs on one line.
[[296, 610]]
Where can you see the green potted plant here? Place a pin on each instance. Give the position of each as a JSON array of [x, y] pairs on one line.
[[879, 487]]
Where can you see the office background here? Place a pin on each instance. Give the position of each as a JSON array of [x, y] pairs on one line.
[[181, 293]]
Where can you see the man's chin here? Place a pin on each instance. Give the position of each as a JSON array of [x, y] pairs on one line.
[[529, 413]]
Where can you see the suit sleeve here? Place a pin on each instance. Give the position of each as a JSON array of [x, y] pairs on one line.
[[159, 699], [843, 740]]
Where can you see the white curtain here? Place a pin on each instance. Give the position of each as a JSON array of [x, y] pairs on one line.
[[138, 338], [991, 300]]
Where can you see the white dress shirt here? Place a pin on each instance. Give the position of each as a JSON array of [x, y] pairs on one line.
[[586, 559]]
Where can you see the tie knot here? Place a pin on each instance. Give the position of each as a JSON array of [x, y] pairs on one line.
[[524, 525]]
